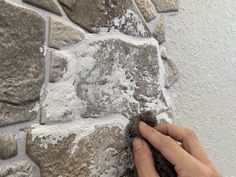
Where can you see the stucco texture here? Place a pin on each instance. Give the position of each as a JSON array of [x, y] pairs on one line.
[[202, 41]]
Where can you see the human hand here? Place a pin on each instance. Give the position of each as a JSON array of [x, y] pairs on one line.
[[188, 158]]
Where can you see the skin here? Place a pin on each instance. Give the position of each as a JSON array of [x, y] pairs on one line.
[[188, 156]]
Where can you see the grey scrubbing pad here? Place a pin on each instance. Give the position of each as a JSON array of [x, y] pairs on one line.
[[163, 167]]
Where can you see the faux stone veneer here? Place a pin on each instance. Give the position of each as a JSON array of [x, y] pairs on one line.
[[108, 14], [86, 147], [100, 65], [22, 63], [119, 74], [123, 79]]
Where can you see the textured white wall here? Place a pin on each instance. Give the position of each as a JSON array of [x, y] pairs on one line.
[[202, 41]]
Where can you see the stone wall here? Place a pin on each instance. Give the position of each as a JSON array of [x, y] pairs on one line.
[[72, 73]]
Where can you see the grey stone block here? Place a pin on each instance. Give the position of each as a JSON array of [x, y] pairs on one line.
[[107, 14], [22, 62], [48, 5], [8, 146]]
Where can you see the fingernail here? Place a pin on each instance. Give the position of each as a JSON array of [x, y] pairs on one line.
[[137, 143], [142, 124]]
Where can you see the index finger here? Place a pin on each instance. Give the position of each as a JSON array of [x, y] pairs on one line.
[[176, 155], [188, 139]]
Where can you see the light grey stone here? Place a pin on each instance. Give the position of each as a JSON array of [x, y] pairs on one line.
[[147, 9], [106, 15], [159, 31], [48, 5], [171, 72], [124, 79], [80, 149], [8, 146], [57, 66], [22, 63], [61, 33], [19, 169], [166, 5]]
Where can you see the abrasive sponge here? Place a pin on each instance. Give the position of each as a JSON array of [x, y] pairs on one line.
[[163, 167]]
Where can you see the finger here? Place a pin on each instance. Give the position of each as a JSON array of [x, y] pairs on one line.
[[176, 155], [143, 159], [188, 139]]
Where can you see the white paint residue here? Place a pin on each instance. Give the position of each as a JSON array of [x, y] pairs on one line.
[[51, 134], [162, 79], [129, 24], [165, 117], [36, 108], [62, 103]]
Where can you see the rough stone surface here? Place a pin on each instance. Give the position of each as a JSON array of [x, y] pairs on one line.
[[96, 152], [61, 33], [8, 146], [166, 5], [124, 79], [19, 169], [147, 9], [106, 15], [57, 66], [106, 74], [48, 5], [171, 72], [159, 31], [22, 63]]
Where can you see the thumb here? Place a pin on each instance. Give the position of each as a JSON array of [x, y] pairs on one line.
[[143, 159]]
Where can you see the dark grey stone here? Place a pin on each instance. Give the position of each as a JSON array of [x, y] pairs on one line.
[[48, 5], [22, 62], [109, 14]]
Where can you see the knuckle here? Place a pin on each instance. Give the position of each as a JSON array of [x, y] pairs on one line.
[[136, 151], [165, 141]]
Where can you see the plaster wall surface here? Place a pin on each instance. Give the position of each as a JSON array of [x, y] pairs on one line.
[[201, 39]]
